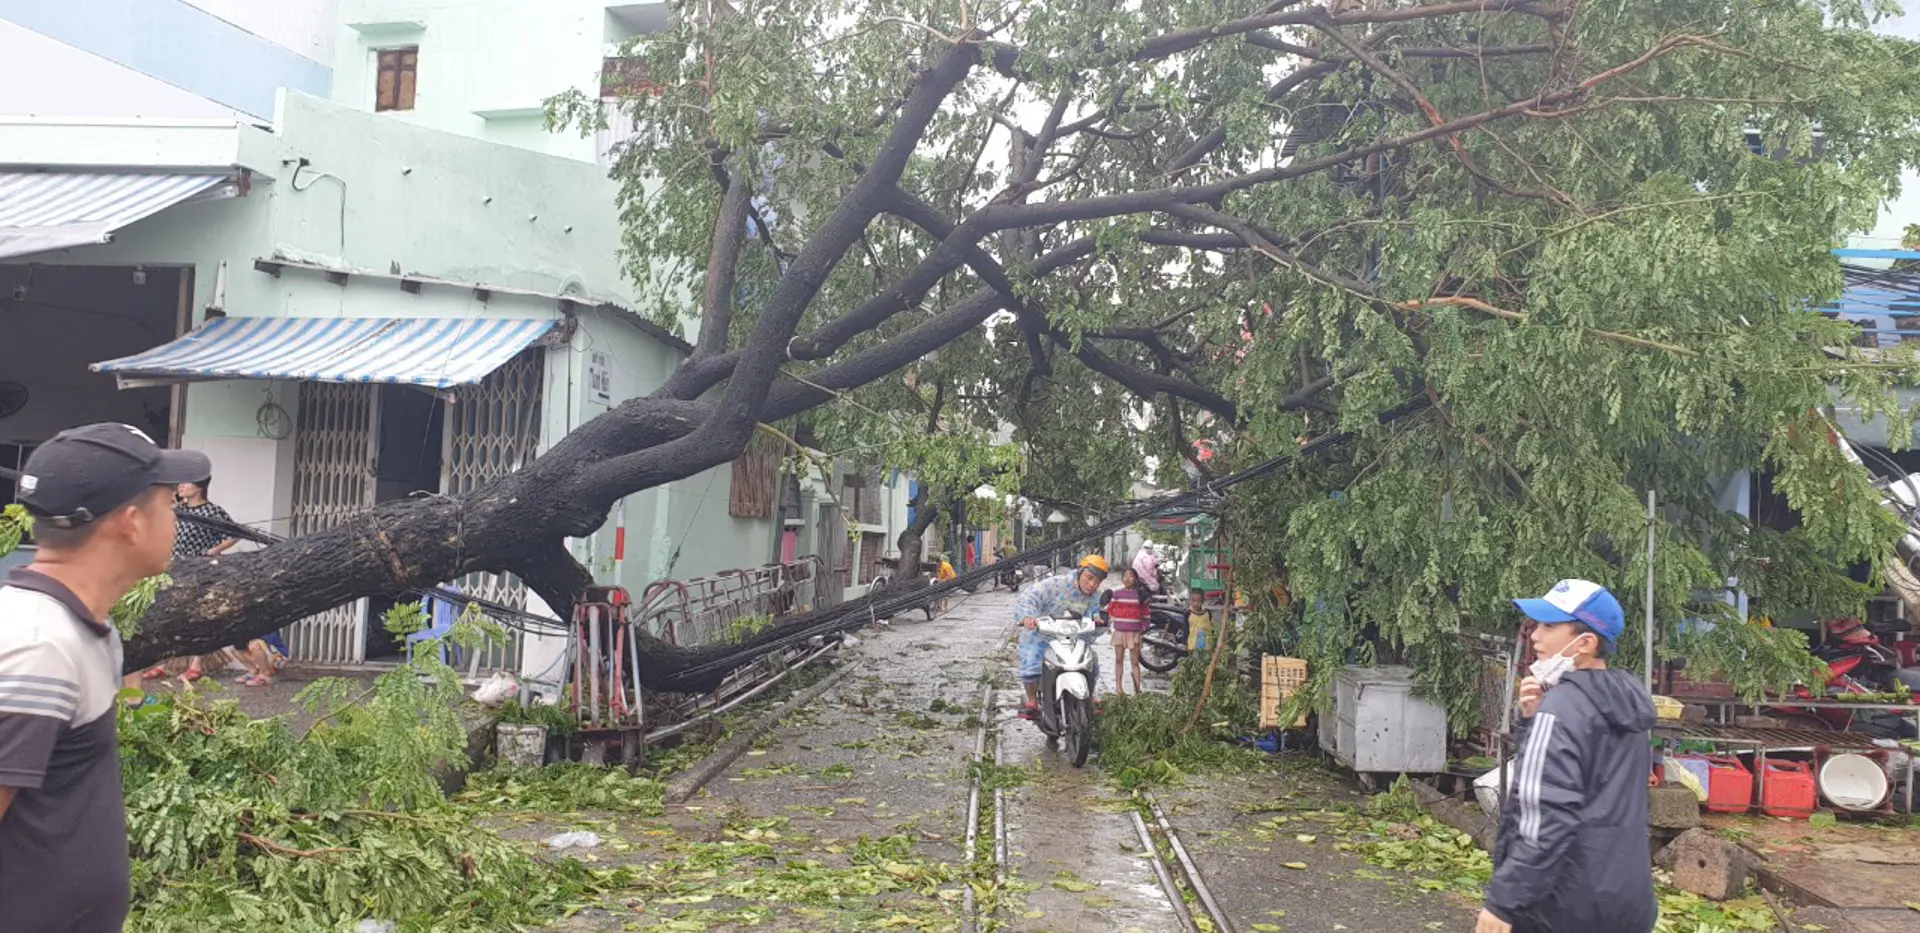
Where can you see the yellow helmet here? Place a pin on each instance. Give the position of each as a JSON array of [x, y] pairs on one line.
[[1095, 563]]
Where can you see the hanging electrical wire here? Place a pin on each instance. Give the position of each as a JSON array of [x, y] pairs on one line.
[[888, 603]]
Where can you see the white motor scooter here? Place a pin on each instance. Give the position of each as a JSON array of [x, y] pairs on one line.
[[1067, 674]]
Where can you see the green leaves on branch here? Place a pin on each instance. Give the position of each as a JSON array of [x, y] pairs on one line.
[[15, 525], [1601, 294], [239, 824]]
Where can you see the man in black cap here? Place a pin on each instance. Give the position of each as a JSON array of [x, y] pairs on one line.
[[101, 497]]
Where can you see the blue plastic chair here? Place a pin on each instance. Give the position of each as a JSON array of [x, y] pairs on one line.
[[442, 613]]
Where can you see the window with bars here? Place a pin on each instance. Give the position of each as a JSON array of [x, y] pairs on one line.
[[873, 554], [755, 472], [395, 78], [863, 496]]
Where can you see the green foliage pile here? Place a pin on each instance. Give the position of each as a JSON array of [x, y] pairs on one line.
[[1390, 831], [556, 720], [565, 787], [1143, 738], [242, 824], [15, 525], [747, 626], [748, 879]]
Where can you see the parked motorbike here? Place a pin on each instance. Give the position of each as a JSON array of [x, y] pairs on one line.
[[1067, 673], [1164, 644], [1857, 663], [1011, 577]]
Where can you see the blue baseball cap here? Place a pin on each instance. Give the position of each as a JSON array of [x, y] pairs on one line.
[[1582, 601]]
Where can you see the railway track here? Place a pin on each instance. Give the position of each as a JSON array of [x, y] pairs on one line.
[[1179, 873]]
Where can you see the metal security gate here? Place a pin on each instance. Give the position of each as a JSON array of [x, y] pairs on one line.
[[493, 429], [333, 480]]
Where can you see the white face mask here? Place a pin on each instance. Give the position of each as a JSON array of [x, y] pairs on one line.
[[1549, 670]]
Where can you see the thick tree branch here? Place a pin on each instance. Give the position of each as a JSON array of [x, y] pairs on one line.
[[819, 385], [929, 219], [1147, 385], [723, 263], [724, 435], [1277, 44]]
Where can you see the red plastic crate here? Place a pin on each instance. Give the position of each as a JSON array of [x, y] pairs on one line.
[[1729, 786], [1788, 789]]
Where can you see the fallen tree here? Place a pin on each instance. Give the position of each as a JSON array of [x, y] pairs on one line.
[[1121, 230]]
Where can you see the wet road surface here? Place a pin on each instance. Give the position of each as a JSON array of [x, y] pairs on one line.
[[1243, 830], [1073, 844], [852, 815]]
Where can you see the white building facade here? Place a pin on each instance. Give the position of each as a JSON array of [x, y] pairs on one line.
[[162, 59], [330, 243]]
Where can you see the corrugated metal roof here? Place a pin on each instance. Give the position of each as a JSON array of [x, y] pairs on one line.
[[431, 352], [42, 211]]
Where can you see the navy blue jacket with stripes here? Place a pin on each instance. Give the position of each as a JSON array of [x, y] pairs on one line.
[[1573, 852]]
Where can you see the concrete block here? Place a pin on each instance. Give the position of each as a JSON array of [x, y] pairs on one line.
[[1672, 808], [1710, 866]]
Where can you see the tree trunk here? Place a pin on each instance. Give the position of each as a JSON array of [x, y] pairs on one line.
[[912, 541], [512, 525]]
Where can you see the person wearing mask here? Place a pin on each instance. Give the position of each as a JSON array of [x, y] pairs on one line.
[[1076, 591], [1572, 851], [101, 497]]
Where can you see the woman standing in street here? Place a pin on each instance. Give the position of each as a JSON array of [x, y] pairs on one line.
[[195, 539]]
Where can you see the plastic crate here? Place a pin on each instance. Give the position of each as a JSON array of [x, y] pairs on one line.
[[1788, 790], [1279, 678], [1668, 708], [1729, 786]]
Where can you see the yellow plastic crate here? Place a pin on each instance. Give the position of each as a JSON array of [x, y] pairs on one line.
[[1668, 707], [1279, 678]]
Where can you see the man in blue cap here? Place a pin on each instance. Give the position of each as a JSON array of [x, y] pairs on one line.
[[1572, 854]]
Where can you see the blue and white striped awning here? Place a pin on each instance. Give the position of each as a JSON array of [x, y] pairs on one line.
[[42, 211], [436, 353]]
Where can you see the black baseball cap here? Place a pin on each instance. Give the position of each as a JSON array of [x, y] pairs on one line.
[[86, 472]]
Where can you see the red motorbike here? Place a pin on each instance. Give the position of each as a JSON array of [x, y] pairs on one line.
[[1858, 663]]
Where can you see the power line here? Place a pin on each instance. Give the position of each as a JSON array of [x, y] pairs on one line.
[[860, 612]]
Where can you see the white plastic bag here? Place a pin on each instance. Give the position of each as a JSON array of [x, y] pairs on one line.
[[496, 689], [1486, 788], [575, 840]]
